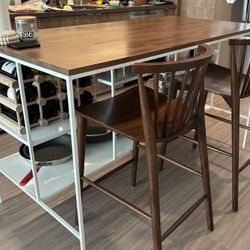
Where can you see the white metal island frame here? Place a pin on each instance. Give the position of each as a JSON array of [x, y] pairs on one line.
[[74, 52]]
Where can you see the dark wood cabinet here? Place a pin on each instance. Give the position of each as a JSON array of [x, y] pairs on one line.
[[61, 19]]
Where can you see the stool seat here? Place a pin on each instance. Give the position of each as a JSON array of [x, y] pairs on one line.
[[218, 80], [122, 113]]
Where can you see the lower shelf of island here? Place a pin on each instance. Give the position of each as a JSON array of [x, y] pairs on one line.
[[56, 178]]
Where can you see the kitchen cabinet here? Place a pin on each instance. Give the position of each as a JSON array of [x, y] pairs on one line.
[[88, 16]]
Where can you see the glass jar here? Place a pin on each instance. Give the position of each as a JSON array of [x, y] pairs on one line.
[[26, 28]]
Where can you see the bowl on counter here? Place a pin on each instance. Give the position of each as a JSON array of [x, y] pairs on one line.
[[114, 3]]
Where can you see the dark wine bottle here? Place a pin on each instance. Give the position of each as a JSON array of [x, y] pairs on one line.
[[3, 90], [65, 106], [51, 109], [34, 114], [30, 93], [48, 89], [8, 68], [86, 98], [84, 82], [33, 111]]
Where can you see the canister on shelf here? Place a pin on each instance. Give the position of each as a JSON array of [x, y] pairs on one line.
[[26, 27]]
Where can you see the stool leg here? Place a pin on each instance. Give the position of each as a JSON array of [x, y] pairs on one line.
[[134, 164], [163, 149], [246, 130], [195, 138], [201, 135], [81, 135], [154, 196], [195, 131], [206, 178], [235, 153]]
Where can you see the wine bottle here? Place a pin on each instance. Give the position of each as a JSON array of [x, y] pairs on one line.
[[8, 68], [33, 111], [3, 90], [84, 82], [30, 93], [48, 89], [65, 105], [50, 109], [8, 112], [34, 115], [86, 98]]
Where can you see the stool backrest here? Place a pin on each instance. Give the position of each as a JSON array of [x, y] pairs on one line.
[[239, 57], [176, 113]]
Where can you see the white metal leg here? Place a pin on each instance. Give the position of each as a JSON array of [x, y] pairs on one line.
[[246, 131], [114, 145], [175, 56], [112, 81], [72, 121], [27, 127]]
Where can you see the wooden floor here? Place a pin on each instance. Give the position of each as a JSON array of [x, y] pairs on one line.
[[110, 226]]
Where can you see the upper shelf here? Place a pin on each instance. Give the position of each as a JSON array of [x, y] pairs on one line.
[[121, 76], [39, 134]]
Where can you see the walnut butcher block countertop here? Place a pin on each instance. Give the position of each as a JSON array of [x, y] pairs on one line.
[[80, 49]]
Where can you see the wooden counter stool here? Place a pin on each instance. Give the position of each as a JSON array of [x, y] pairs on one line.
[[232, 85], [143, 115]]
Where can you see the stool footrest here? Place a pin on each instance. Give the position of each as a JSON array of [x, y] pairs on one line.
[[178, 164], [244, 165], [218, 150], [225, 120], [118, 198], [110, 173], [183, 217]]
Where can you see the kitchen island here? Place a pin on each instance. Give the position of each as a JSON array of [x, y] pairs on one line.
[[89, 14]]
